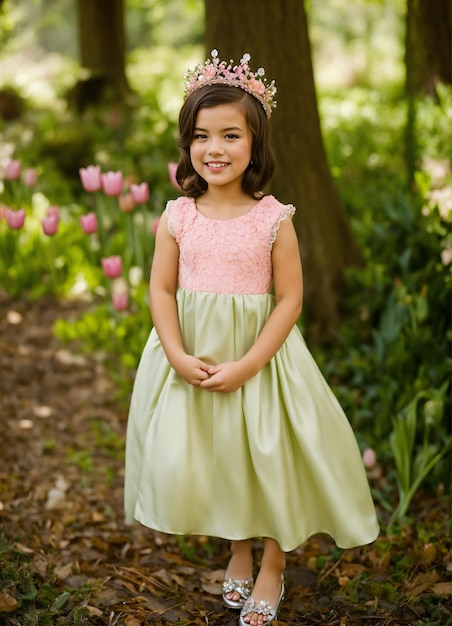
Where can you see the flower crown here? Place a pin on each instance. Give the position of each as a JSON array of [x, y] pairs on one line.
[[216, 72]]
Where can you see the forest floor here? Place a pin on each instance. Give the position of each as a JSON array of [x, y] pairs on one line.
[[66, 556]]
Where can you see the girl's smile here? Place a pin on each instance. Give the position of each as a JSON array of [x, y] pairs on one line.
[[221, 147], [216, 166]]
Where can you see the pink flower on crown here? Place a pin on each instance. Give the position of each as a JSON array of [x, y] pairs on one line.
[[209, 73], [256, 86]]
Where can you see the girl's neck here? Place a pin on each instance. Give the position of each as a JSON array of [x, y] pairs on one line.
[[220, 204]]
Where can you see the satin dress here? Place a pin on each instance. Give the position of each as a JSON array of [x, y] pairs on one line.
[[277, 458]]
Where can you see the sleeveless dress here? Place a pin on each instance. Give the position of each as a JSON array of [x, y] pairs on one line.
[[276, 458]]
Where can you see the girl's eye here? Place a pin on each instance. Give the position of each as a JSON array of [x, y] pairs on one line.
[[199, 136], [232, 136]]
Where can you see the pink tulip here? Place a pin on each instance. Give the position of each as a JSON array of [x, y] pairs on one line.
[[30, 177], [369, 458], [112, 266], [112, 183], [91, 178], [120, 300], [140, 193], [172, 167], [50, 224], [154, 225], [53, 210], [12, 171], [89, 223], [15, 219], [126, 202]]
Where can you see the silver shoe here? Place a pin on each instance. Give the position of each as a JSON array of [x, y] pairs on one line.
[[263, 608], [241, 586]]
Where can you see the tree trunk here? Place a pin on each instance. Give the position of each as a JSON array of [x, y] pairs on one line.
[[276, 36], [102, 51], [428, 45]]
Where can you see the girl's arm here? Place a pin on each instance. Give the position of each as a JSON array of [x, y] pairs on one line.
[[162, 289], [288, 283]]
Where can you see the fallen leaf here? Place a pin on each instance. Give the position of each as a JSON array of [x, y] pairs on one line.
[[421, 583], [8, 604], [92, 610], [63, 571], [132, 621], [212, 588], [442, 589]]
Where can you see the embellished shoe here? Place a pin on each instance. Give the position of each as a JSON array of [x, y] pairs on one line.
[[241, 586], [263, 608]]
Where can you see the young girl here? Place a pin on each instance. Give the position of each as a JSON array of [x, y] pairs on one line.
[[233, 432]]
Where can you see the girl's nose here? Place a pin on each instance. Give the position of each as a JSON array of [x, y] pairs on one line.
[[215, 147]]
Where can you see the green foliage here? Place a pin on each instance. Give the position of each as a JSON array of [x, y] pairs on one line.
[[107, 331], [171, 23], [38, 602], [413, 463], [395, 350]]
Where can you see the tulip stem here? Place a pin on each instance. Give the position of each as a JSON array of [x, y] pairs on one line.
[[144, 238], [9, 256], [100, 219], [53, 271], [131, 251]]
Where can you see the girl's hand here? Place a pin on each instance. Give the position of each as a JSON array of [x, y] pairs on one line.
[[193, 370], [225, 377]]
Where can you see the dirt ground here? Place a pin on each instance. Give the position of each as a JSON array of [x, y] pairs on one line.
[[61, 487]]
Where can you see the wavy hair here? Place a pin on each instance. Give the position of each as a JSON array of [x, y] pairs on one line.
[[262, 165]]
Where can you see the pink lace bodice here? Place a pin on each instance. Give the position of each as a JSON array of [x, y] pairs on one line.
[[226, 256]]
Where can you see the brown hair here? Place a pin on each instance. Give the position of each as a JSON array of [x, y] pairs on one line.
[[262, 165]]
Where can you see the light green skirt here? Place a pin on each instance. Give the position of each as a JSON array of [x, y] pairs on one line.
[[277, 458]]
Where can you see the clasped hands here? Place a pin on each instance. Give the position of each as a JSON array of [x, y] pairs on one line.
[[225, 377]]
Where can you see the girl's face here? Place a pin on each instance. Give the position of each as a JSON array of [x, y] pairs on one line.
[[220, 150]]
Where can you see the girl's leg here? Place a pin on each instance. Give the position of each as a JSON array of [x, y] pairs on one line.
[[240, 564], [268, 582]]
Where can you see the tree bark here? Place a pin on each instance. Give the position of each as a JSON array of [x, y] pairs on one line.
[[428, 45], [275, 34], [102, 49]]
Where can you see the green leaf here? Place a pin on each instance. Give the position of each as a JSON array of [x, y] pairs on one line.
[[60, 601]]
